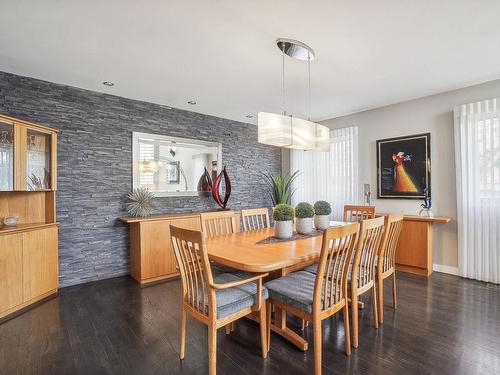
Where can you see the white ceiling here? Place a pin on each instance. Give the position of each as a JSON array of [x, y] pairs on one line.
[[223, 53]]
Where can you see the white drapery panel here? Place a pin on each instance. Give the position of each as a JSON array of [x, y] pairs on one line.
[[331, 176], [477, 160]]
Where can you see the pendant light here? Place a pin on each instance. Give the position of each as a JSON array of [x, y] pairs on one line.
[[288, 131]]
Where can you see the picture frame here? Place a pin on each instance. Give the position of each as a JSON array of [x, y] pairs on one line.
[[404, 167], [173, 172]]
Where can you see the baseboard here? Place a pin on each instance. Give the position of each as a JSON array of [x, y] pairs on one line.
[[445, 269]]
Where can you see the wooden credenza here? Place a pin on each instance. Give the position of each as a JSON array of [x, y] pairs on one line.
[[28, 251], [415, 251], [151, 256]]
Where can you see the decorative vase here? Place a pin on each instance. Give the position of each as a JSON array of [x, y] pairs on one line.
[[321, 221], [283, 229], [304, 225], [216, 189], [205, 184], [426, 212]]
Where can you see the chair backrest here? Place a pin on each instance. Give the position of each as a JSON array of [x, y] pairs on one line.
[[357, 213], [330, 286], [255, 218], [194, 267], [389, 243], [363, 265], [218, 223]]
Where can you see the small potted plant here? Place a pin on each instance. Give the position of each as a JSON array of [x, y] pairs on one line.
[[283, 220], [322, 210], [304, 213]]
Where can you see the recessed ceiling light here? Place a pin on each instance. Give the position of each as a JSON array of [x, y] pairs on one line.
[[249, 116], [107, 83], [192, 102]]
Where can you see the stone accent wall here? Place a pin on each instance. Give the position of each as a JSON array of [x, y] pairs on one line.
[[95, 166]]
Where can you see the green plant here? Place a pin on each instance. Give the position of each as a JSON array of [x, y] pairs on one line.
[[322, 208], [283, 212], [280, 187], [304, 210]]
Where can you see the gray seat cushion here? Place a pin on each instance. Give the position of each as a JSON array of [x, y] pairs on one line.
[[218, 269], [313, 268], [232, 300], [295, 290]]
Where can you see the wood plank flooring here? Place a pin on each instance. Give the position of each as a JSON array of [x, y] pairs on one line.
[[444, 325]]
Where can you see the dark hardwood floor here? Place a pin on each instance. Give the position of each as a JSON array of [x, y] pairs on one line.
[[444, 325]]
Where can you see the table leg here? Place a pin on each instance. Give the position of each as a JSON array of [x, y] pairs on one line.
[[281, 329]]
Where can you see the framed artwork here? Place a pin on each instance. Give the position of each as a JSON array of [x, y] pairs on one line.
[[404, 167], [173, 172]]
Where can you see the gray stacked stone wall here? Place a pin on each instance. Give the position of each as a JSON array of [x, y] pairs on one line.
[[95, 166]]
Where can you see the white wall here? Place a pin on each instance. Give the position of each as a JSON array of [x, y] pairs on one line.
[[432, 114]]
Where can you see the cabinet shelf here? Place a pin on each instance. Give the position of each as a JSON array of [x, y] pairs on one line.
[[25, 227]]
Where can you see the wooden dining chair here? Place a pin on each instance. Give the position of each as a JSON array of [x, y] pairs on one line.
[[315, 297], [362, 275], [218, 223], [387, 259], [255, 218], [215, 302], [357, 213]]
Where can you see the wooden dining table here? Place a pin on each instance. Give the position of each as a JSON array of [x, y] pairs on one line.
[[243, 251]]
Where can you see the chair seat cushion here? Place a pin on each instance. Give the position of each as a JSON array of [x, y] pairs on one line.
[[232, 300], [313, 268], [295, 290], [218, 269]]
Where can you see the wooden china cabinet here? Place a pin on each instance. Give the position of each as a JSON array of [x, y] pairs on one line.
[[28, 182]]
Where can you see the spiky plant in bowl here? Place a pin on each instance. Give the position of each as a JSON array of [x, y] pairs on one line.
[[322, 209], [304, 213], [140, 202], [283, 220]]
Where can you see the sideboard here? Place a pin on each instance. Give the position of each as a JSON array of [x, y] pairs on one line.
[[414, 252], [151, 256]]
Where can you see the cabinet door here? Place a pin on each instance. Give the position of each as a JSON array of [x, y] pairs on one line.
[[39, 262], [6, 156], [11, 271], [157, 257], [38, 160]]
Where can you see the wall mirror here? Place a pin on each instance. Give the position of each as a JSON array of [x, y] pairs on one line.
[[172, 166]]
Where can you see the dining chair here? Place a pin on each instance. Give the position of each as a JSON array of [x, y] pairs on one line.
[[218, 223], [362, 275], [255, 218], [385, 266], [315, 297], [218, 301], [354, 213]]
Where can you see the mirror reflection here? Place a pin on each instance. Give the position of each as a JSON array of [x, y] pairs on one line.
[[172, 166]]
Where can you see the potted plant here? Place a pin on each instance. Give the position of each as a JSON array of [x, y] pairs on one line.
[[322, 209], [281, 187], [283, 220], [304, 213]]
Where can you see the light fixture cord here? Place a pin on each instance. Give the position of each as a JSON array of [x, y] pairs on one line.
[[283, 74], [309, 73]]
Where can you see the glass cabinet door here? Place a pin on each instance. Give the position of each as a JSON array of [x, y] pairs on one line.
[[6, 156], [38, 171]]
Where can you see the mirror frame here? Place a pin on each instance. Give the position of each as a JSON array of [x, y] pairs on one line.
[[135, 158]]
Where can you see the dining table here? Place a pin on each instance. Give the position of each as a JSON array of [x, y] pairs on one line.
[[258, 251]]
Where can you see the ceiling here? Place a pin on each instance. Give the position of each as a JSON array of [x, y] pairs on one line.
[[222, 54]]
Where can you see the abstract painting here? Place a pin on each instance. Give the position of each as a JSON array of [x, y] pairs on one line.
[[404, 167]]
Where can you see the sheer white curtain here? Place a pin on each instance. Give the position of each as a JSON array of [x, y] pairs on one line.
[[331, 176], [477, 160]]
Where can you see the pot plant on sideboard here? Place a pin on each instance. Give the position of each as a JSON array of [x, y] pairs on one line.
[[322, 211], [304, 213], [283, 221]]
